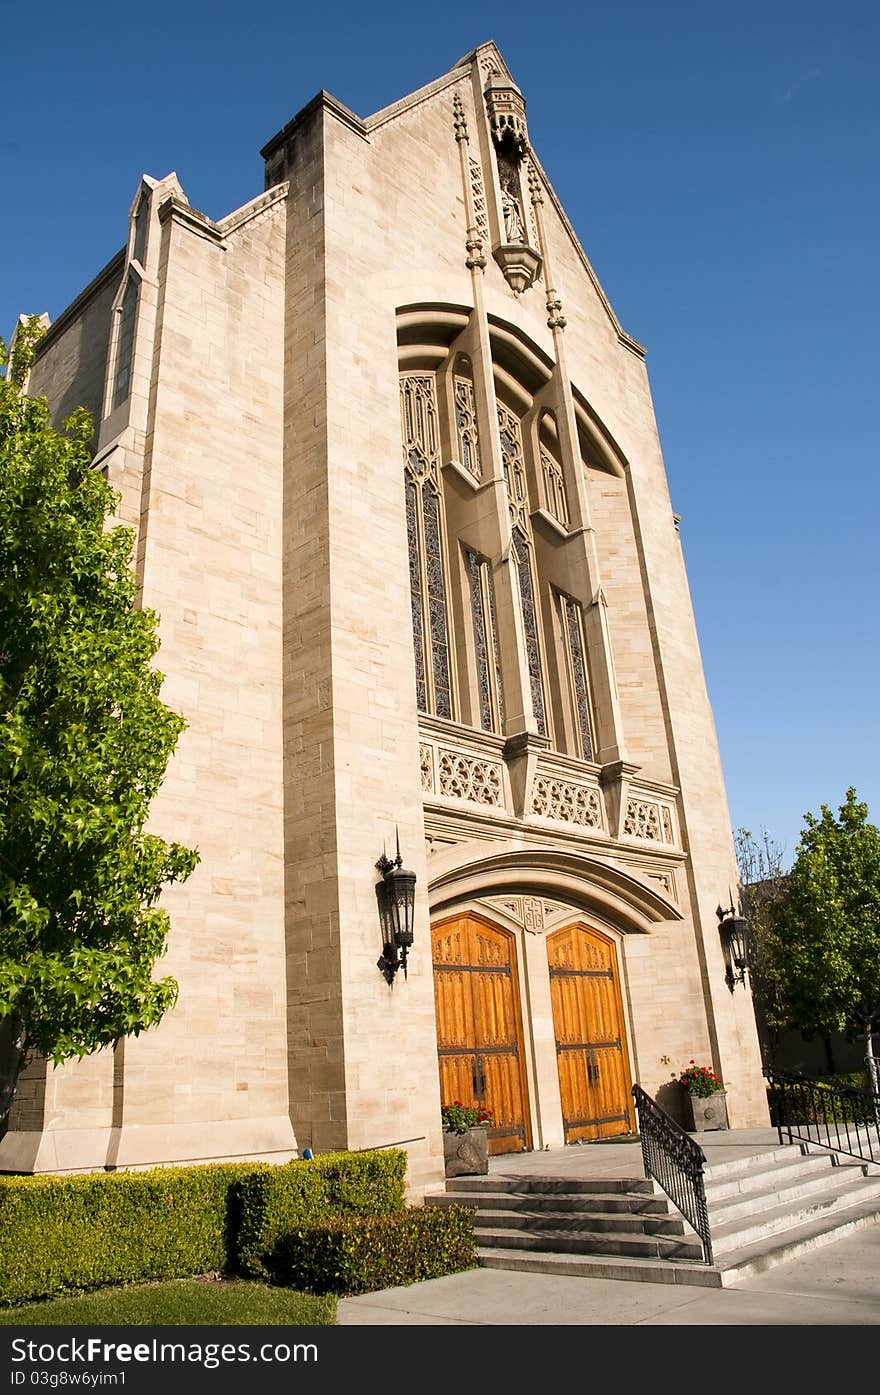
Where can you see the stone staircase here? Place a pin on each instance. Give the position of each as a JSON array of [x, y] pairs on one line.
[[763, 1209]]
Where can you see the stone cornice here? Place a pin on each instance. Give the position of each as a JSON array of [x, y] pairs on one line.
[[322, 101], [173, 208], [237, 219]]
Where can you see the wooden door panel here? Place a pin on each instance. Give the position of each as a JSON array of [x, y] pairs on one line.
[[504, 1095], [457, 1079], [479, 1034], [588, 1023], [611, 1091], [454, 1005], [494, 1019]]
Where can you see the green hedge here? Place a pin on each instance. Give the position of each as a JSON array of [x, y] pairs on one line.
[[276, 1201], [62, 1233], [357, 1254]]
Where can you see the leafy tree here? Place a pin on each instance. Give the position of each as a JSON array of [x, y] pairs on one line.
[[826, 927], [764, 883], [84, 742]]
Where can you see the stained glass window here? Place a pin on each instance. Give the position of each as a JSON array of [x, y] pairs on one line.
[[418, 416], [485, 642], [572, 623], [125, 343], [514, 469], [521, 552], [554, 486], [141, 221], [466, 427]]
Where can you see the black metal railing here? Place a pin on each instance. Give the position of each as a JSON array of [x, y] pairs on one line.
[[676, 1162], [840, 1117]]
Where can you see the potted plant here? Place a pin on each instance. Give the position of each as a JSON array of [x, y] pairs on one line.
[[705, 1098], [465, 1141]]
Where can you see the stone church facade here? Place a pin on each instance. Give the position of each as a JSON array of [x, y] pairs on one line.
[[398, 498]]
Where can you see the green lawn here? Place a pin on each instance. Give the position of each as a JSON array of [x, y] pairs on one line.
[[180, 1303]]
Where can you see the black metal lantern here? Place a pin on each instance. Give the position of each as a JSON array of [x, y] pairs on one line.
[[396, 895], [735, 944]]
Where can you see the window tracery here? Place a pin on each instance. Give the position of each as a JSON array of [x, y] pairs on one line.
[[456, 636], [518, 503], [488, 658], [125, 343], [466, 427], [430, 620], [576, 665], [554, 487]]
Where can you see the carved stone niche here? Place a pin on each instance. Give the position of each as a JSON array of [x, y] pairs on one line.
[[506, 109], [520, 263]]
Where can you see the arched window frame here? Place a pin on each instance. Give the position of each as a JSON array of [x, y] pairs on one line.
[[124, 337], [488, 704], [577, 718], [522, 542], [427, 544], [551, 473]]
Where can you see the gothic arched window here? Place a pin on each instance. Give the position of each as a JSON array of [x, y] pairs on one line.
[[518, 503], [424, 525], [466, 426], [125, 343], [575, 651], [486, 649]]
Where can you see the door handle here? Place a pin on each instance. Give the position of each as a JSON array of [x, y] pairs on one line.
[[592, 1069], [478, 1076]]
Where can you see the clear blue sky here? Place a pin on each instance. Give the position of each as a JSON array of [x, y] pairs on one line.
[[720, 165]]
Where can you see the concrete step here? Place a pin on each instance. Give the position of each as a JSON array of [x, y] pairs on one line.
[[728, 1269], [615, 1203], [790, 1191], [587, 1242], [763, 1254], [604, 1267], [764, 1208], [775, 1221], [548, 1186], [765, 1176], [721, 1170], [577, 1222]]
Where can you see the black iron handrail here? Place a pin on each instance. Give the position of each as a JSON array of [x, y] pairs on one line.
[[842, 1118], [676, 1162]]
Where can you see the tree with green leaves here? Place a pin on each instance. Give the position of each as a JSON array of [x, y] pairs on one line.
[[84, 743], [827, 926], [764, 883]]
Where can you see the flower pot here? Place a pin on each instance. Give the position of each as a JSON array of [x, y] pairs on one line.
[[466, 1154], [706, 1112]]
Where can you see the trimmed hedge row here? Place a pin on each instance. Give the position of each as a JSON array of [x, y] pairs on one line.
[[64, 1233], [358, 1254], [276, 1201]]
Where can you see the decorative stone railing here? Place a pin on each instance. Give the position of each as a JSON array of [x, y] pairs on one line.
[[459, 764], [650, 816], [567, 791], [523, 778]]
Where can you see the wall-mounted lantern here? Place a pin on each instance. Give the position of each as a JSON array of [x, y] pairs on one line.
[[735, 944], [396, 895]]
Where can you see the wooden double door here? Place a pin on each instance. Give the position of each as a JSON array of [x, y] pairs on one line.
[[479, 1026], [591, 1054]]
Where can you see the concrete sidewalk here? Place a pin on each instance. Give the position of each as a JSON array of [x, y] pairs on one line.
[[835, 1284], [838, 1284]]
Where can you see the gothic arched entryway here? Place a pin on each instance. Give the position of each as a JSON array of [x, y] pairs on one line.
[[479, 1029], [591, 1054]]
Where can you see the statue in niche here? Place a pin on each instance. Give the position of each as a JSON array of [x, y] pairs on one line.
[[513, 226]]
